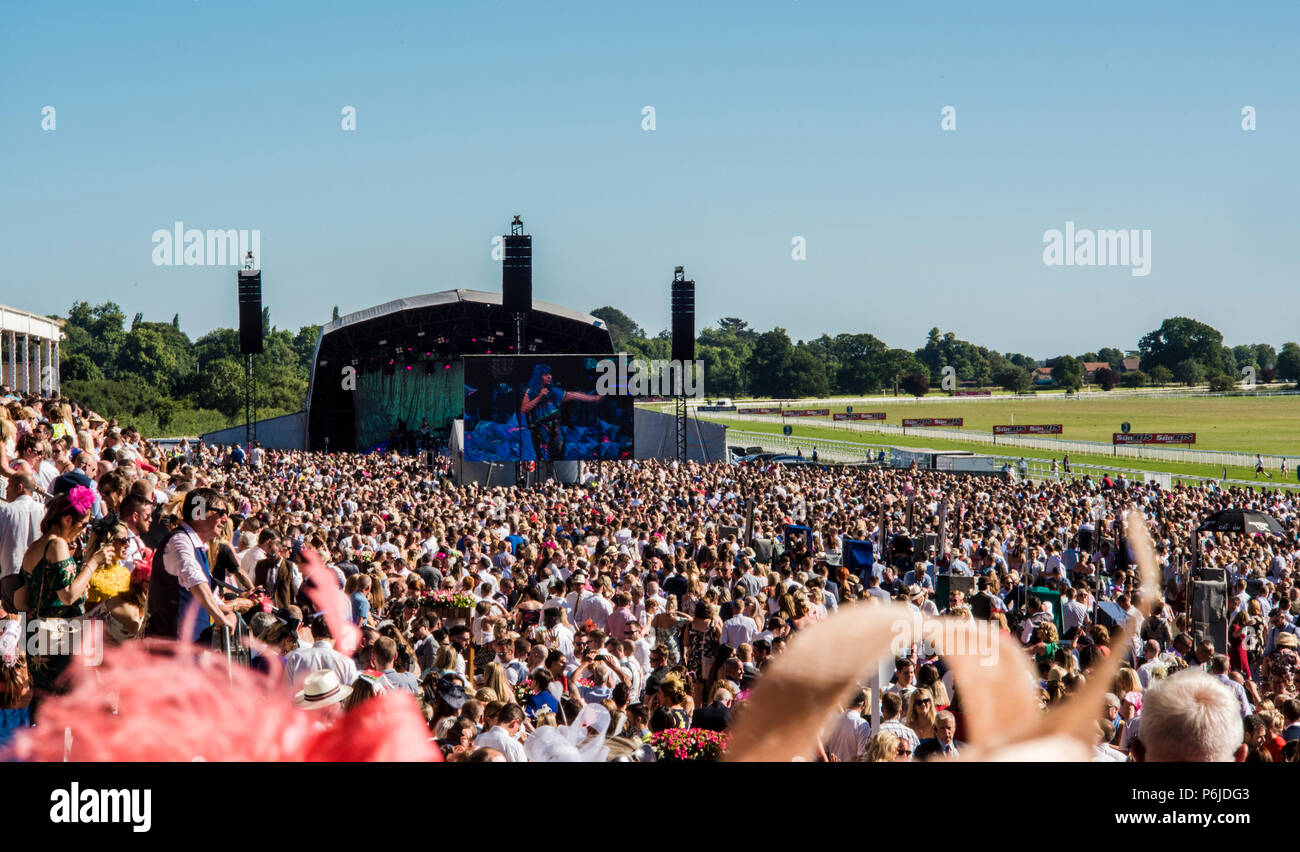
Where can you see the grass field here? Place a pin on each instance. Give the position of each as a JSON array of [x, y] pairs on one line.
[[1244, 424], [808, 435]]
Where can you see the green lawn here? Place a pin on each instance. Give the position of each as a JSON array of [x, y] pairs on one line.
[[1243, 424], [812, 433]]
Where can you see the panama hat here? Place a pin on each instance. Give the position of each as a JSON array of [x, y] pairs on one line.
[[321, 689]]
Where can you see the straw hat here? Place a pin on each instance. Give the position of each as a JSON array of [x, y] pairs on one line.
[[321, 689]]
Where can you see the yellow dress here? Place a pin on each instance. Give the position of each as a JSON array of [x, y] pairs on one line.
[[107, 581]]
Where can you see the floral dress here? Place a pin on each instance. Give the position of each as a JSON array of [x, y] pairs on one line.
[[44, 583], [703, 646]]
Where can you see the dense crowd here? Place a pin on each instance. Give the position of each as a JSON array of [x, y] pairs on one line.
[[638, 608]]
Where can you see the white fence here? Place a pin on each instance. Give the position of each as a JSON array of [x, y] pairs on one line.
[[1192, 392], [1030, 442], [855, 451]]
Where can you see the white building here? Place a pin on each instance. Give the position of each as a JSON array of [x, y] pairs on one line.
[[29, 351]]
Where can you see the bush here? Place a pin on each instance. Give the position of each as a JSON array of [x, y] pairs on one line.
[[916, 384], [1222, 383], [1014, 379], [1134, 379]]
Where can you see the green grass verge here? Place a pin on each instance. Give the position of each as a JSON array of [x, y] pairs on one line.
[[811, 433]]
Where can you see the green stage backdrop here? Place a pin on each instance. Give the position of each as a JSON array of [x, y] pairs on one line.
[[408, 395]]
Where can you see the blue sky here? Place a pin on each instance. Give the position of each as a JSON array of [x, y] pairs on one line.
[[773, 120]]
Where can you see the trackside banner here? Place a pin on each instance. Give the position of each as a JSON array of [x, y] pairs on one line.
[[1154, 438], [1028, 429]]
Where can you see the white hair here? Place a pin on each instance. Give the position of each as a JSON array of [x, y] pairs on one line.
[[1191, 717]]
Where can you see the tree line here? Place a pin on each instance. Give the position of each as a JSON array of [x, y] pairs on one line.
[[152, 373], [155, 376], [743, 361]]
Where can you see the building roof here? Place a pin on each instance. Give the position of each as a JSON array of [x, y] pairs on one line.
[[1094, 366], [446, 297], [34, 325], [1131, 364]]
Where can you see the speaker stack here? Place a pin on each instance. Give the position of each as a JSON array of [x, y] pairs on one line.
[[250, 311]]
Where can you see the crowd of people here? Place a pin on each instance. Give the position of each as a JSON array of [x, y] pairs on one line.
[[639, 607]]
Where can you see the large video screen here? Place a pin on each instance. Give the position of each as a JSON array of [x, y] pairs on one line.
[[543, 408]]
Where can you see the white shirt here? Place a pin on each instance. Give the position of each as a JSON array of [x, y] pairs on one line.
[[20, 525], [563, 634], [594, 607], [46, 474], [303, 661], [901, 731], [248, 562], [181, 561], [498, 739], [847, 738], [738, 630], [1144, 671]]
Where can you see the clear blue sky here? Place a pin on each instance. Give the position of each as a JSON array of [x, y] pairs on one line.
[[774, 119]]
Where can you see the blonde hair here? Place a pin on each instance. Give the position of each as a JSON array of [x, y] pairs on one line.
[[445, 659], [911, 715], [494, 678], [674, 687], [882, 748]]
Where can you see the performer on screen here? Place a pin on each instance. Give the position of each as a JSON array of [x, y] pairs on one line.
[[540, 407]]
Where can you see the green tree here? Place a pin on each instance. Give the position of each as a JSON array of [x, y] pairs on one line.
[[621, 326], [1068, 373], [1134, 379], [1288, 362], [725, 351], [222, 387], [1180, 338], [1111, 356], [1162, 375], [215, 345], [1245, 355], [805, 375], [1222, 384], [304, 346], [1013, 378], [858, 363], [145, 354], [96, 333], [78, 366], [769, 363], [1189, 371], [1265, 356]]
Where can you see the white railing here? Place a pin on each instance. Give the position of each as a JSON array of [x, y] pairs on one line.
[[1029, 442], [855, 451], [1189, 392]]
